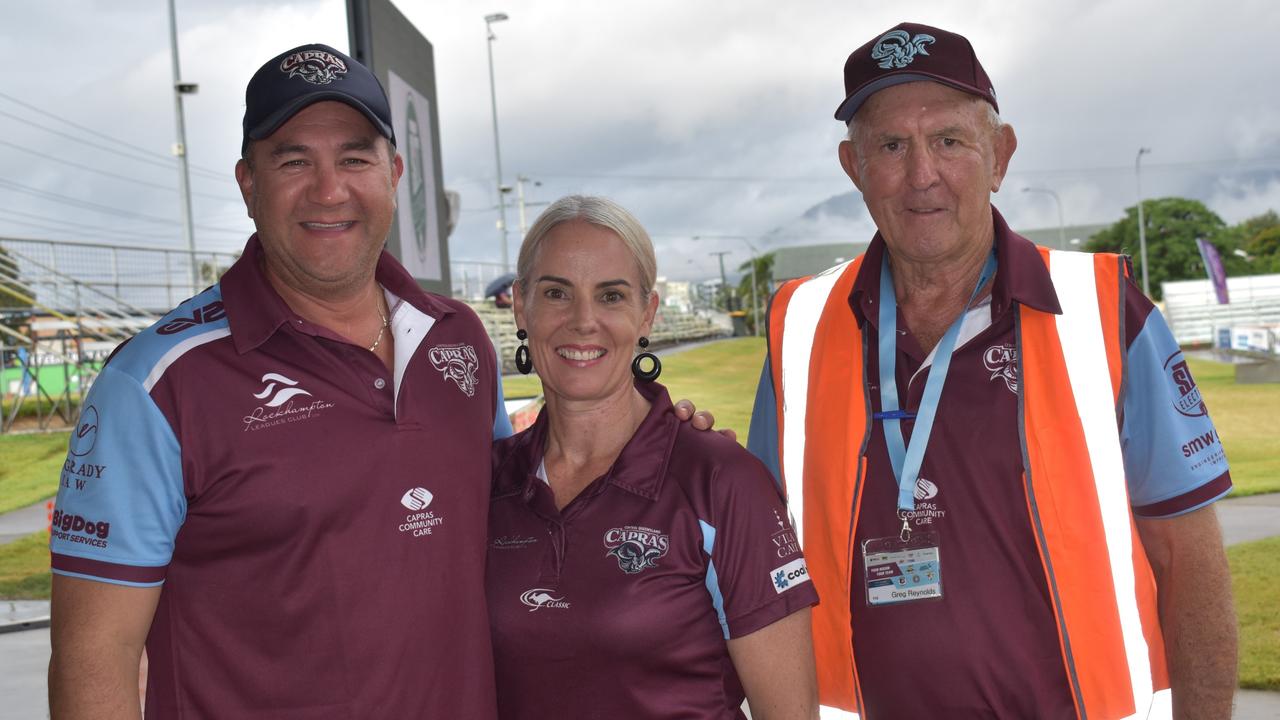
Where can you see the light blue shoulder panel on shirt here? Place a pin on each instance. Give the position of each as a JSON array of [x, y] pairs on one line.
[[501, 421], [1170, 445], [124, 466], [762, 438]]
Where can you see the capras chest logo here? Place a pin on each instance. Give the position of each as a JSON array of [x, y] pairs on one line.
[[1188, 401], [636, 548], [1002, 362], [315, 66], [458, 363], [200, 316], [897, 49]]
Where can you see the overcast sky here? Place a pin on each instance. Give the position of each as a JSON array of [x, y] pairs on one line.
[[705, 119]]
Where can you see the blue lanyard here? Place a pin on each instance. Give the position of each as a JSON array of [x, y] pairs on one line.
[[906, 460]]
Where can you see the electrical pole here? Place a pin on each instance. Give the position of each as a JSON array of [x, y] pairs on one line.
[[180, 149], [724, 283], [1142, 224]]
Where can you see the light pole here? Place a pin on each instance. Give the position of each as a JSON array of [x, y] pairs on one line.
[[180, 148], [724, 283], [755, 305], [489, 20], [1142, 224], [1062, 227]]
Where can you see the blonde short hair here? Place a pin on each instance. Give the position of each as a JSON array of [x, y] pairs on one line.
[[601, 212]]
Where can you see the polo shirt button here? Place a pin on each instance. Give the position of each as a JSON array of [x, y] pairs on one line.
[[379, 383]]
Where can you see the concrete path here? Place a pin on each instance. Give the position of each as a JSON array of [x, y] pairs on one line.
[[1249, 518], [23, 522]]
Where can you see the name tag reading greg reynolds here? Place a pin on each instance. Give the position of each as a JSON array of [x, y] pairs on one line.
[[902, 571]]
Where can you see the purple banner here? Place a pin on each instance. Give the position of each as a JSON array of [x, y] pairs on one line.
[[1213, 266]]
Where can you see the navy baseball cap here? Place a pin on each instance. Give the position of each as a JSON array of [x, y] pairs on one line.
[[308, 74], [910, 52]]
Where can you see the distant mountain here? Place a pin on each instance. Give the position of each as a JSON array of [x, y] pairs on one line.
[[839, 218]]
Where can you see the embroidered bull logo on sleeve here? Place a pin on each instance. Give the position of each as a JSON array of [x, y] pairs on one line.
[[458, 363], [315, 66], [897, 49], [636, 548]]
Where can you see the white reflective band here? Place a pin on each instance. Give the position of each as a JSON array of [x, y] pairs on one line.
[[1080, 332], [826, 712], [799, 327]]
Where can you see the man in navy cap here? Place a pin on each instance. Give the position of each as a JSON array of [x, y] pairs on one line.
[[1000, 464], [281, 486]]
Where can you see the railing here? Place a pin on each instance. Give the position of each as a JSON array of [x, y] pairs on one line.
[[1195, 317], [153, 279]]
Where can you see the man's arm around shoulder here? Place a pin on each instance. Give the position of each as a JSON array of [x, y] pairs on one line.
[[1197, 616], [98, 630]]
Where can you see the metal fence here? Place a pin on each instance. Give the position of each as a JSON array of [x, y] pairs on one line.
[[151, 278], [470, 277]]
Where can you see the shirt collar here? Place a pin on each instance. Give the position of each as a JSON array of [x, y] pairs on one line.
[[255, 311], [1021, 276], [639, 469]]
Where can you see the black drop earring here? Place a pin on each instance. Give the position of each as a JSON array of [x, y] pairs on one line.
[[523, 363], [646, 375]]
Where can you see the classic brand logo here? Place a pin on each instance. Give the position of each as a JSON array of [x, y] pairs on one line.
[[636, 548], [458, 363], [1002, 362], [1189, 401], [897, 49], [789, 575], [315, 66], [538, 598], [278, 403], [784, 539], [207, 314], [86, 434]]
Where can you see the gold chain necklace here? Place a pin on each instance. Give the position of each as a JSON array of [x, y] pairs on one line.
[[385, 324]]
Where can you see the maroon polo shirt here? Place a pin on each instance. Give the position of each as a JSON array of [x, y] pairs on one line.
[[316, 521], [990, 648], [619, 605]]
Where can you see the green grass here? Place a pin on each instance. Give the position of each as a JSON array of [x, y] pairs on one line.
[[24, 568], [1245, 416], [1255, 580], [29, 466]]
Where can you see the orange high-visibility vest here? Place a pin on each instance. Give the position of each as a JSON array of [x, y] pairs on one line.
[[1070, 373]]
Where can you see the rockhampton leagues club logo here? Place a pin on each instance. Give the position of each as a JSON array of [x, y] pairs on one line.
[[636, 548], [420, 522], [458, 363], [539, 598], [315, 66], [283, 401], [896, 49]]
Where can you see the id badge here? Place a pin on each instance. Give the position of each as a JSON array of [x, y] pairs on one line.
[[902, 571]]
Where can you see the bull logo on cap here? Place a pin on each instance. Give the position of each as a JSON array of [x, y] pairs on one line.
[[315, 66], [896, 49]]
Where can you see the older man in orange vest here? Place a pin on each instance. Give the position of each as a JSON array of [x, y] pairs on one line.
[[999, 463]]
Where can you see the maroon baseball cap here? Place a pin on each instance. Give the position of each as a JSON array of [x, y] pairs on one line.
[[908, 53]]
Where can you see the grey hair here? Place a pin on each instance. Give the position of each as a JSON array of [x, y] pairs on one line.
[[601, 212], [993, 118]]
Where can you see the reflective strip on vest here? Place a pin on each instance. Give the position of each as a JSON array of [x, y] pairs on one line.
[[1080, 330], [826, 712], [801, 323]]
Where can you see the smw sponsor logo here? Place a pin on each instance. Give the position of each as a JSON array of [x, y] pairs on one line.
[[76, 529], [282, 402], [1206, 449], [789, 575], [539, 598], [420, 522]]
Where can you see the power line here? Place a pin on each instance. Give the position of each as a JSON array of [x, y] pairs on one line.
[[97, 207], [96, 133], [159, 186], [72, 226]]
